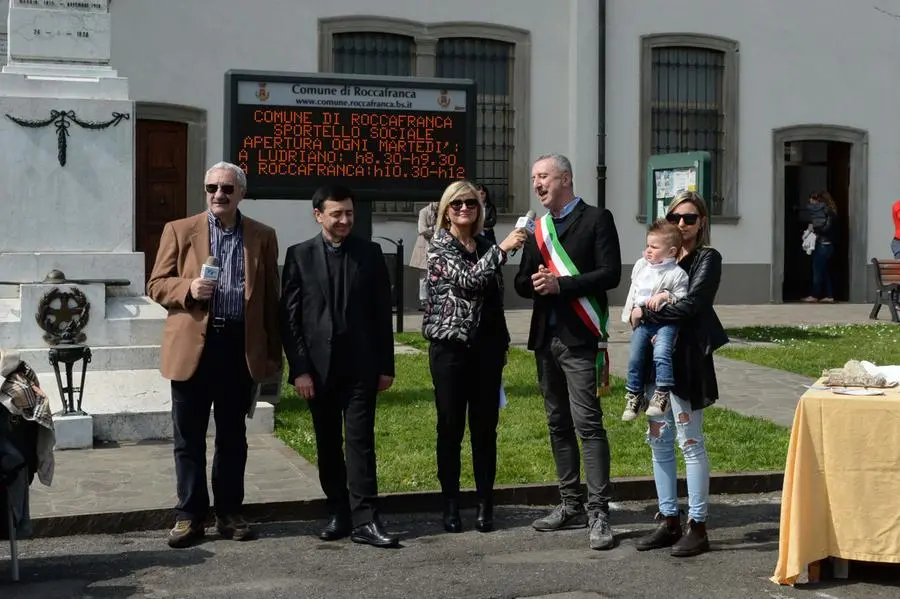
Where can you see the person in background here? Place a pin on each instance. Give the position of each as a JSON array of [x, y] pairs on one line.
[[339, 344], [220, 341], [822, 217], [427, 216], [700, 334], [490, 212], [465, 324], [895, 242]]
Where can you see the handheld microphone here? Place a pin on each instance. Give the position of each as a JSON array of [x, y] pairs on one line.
[[525, 222], [210, 270]]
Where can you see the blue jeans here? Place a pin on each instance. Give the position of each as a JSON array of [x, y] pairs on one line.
[[821, 275], [662, 356], [895, 248], [686, 426]]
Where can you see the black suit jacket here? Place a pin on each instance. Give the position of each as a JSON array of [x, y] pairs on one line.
[[592, 242], [306, 318]]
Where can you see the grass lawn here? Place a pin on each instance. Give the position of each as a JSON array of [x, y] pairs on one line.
[[808, 350], [405, 431]]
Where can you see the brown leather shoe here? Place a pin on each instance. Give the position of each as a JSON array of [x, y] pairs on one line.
[[235, 527], [665, 535], [694, 542], [186, 533]]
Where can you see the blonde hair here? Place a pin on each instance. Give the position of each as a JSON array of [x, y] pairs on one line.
[[825, 197], [671, 233], [456, 191], [692, 197]]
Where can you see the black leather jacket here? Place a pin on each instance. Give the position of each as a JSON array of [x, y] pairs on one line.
[[700, 332]]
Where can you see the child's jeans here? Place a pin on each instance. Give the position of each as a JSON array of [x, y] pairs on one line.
[[662, 356]]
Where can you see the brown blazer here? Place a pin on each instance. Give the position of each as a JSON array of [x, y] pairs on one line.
[[183, 249]]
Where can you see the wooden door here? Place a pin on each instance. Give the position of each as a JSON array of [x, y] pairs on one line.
[[161, 182]]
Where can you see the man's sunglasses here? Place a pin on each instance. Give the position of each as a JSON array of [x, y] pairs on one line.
[[689, 219], [227, 189], [457, 205]]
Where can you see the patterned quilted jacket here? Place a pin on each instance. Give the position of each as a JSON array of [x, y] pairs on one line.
[[455, 286]]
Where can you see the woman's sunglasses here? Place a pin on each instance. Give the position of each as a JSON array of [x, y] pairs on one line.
[[213, 188], [689, 219], [457, 205]]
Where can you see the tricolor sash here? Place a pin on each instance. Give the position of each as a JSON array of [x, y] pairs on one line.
[[587, 308]]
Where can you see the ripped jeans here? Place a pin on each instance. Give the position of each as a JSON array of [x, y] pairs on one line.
[[687, 426]]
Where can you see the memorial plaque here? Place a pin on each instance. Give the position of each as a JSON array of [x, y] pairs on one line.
[[390, 138], [60, 31]]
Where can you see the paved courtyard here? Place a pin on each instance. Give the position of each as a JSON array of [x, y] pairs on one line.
[[105, 487], [289, 562]]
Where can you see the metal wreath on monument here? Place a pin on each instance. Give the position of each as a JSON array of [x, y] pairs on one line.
[[63, 315]]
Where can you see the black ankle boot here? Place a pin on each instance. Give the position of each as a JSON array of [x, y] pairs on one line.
[[694, 542], [452, 523], [484, 516], [665, 535]]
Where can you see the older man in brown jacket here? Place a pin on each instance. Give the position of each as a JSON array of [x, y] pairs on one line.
[[221, 339]]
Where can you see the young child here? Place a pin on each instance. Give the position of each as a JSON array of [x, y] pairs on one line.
[[656, 276]]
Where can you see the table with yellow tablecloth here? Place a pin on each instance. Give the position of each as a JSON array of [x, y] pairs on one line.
[[841, 493]]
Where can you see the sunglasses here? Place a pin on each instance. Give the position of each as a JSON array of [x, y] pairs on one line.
[[227, 188], [457, 205], [689, 219]]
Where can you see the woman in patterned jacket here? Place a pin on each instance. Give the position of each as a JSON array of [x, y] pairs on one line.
[[465, 323]]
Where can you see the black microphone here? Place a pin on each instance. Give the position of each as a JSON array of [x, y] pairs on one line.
[[525, 222]]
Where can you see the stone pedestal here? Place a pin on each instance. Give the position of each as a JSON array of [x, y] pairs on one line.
[[69, 205], [74, 431]]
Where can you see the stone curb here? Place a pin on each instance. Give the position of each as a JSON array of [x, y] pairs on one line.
[[625, 489]]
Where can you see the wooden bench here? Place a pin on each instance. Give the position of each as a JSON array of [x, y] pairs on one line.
[[887, 287]]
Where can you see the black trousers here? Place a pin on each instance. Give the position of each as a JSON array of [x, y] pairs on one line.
[[343, 414], [222, 381], [467, 378]]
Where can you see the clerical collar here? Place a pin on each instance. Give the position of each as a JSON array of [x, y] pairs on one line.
[[330, 245]]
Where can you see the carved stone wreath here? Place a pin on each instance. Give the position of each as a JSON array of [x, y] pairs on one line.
[[63, 119], [63, 315]]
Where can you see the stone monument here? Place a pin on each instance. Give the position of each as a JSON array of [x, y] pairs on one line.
[[67, 166]]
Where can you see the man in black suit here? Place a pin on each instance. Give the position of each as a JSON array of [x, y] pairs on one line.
[[567, 268], [338, 338]]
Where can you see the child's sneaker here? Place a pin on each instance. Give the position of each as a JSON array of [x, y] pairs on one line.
[[659, 403], [635, 403]]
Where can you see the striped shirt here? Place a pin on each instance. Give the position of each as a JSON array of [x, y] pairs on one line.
[[228, 246]]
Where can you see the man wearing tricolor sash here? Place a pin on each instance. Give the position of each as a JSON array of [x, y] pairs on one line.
[[567, 268]]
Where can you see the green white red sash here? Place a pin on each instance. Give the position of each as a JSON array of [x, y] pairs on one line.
[[588, 309]]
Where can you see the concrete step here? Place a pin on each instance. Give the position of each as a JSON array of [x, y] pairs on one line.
[[135, 405]]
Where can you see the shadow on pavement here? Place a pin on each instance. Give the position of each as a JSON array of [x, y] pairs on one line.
[[83, 574]]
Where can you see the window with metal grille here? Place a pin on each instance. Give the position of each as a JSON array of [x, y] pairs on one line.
[[367, 53], [490, 64], [687, 107]]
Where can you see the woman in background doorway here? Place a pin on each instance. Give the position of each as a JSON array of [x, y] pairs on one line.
[[490, 212], [823, 217]]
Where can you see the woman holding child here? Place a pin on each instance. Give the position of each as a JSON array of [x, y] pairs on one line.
[[700, 333]]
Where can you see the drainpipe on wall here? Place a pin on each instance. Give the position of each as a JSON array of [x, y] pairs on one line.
[[601, 108]]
